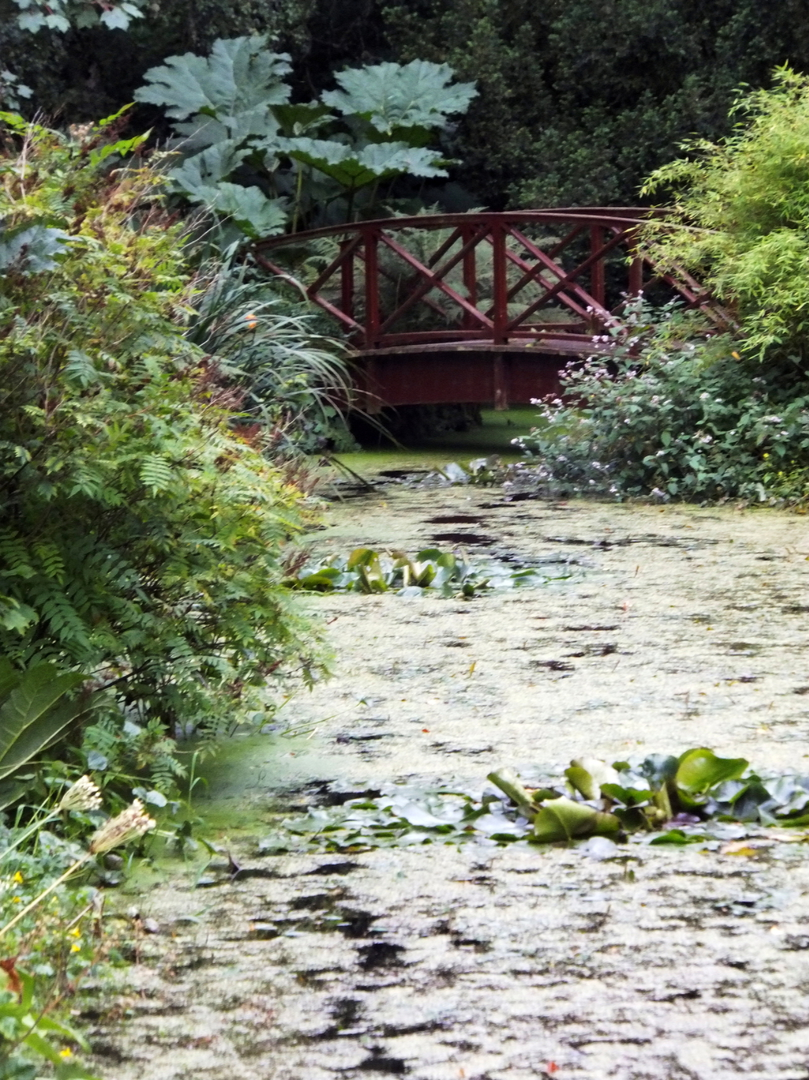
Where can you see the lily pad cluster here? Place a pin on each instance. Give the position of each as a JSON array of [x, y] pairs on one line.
[[445, 573], [662, 794], [697, 797]]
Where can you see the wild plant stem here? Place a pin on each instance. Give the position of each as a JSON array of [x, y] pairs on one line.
[[38, 899], [31, 828]]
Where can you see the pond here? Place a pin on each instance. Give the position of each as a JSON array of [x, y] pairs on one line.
[[676, 627]]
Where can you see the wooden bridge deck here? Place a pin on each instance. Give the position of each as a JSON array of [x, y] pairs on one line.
[[473, 307]]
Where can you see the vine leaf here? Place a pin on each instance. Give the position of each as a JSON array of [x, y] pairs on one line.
[[391, 96]]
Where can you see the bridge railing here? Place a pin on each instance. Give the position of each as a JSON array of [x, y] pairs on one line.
[[544, 279]]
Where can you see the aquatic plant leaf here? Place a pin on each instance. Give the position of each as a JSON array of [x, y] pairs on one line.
[[588, 774], [509, 783], [700, 769], [659, 768], [565, 819], [416, 815], [628, 796], [677, 836]]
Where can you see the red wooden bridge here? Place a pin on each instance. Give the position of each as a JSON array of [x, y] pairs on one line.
[[478, 307]]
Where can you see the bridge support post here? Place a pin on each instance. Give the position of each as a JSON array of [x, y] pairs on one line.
[[347, 281], [500, 383], [597, 276], [499, 285], [636, 276], [371, 287], [470, 279]]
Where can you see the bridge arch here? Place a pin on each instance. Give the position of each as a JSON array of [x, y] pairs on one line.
[[483, 307]]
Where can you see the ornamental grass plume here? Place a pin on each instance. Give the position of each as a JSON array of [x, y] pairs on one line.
[[128, 825], [83, 795]]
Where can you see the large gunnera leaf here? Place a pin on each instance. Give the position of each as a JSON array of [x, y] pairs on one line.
[[34, 711], [391, 96], [31, 249], [200, 174], [354, 168], [255, 214], [239, 75]]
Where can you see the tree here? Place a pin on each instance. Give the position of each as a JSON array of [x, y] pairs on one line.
[[580, 99], [740, 219]]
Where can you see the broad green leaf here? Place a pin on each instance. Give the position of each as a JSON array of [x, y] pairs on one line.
[[35, 714], [391, 96], [199, 175], [298, 119], [255, 214], [588, 774], [31, 248], [677, 836], [509, 784], [117, 18], [658, 768], [626, 795], [565, 819], [356, 167], [239, 75], [699, 769]]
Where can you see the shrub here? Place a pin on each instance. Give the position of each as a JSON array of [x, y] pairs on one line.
[[741, 215], [674, 415], [141, 540], [295, 382]]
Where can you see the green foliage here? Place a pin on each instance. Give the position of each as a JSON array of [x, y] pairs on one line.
[[30, 249], [580, 99], [21, 1028], [62, 15], [35, 711], [293, 381], [741, 216], [13, 92], [142, 540], [238, 125], [49, 947], [442, 573], [236, 84], [393, 97], [696, 797], [674, 415]]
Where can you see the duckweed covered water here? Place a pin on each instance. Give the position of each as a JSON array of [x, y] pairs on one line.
[[481, 961]]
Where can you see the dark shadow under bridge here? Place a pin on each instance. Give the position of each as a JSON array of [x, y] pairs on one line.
[[483, 307]]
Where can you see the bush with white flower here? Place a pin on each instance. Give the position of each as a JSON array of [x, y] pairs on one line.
[[678, 414]]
